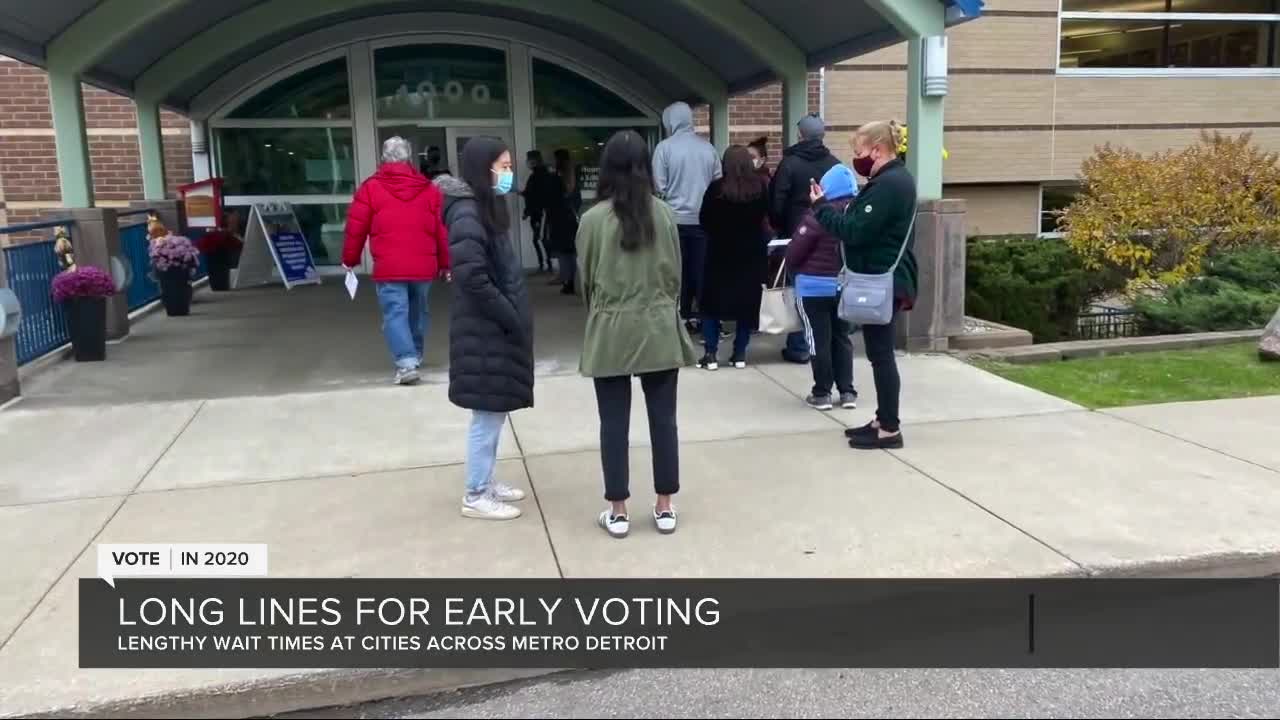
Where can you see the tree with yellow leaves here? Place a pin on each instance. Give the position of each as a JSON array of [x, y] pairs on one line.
[[1155, 218]]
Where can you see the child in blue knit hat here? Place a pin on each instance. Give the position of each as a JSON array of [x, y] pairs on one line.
[[814, 256]]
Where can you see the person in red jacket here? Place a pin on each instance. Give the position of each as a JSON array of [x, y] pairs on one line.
[[398, 212]]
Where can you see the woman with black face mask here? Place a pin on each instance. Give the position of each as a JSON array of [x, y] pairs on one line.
[[875, 231]]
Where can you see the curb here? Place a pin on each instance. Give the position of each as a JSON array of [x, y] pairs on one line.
[[342, 688], [1097, 348]]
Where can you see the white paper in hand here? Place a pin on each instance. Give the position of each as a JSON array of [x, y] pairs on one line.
[[352, 283]]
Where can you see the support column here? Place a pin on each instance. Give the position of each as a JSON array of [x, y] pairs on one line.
[[939, 248], [720, 124], [95, 236], [924, 126], [795, 102], [151, 148], [74, 176]]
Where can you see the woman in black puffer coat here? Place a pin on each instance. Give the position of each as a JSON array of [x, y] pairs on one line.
[[490, 322]]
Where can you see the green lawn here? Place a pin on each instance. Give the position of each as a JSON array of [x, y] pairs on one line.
[[1226, 371]]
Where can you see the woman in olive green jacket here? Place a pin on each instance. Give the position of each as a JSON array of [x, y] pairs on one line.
[[629, 272]]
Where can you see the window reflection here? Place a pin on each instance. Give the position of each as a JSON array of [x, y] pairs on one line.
[[286, 161], [1159, 43], [318, 92], [436, 82]]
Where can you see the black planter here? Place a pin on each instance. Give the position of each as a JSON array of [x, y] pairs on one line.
[[87, 326], [175, 291], [219, 265]]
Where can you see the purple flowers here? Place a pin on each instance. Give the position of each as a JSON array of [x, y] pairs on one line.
[[87, 281], [174, 252]]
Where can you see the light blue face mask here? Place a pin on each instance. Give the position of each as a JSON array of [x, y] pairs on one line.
[[506, 179]]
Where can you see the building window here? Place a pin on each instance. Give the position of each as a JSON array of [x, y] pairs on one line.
[[441, 82], [559, 92], [319, 92], [1053, 200], [1169, 34]]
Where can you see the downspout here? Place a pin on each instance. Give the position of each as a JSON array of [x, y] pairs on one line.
[[822, 93]]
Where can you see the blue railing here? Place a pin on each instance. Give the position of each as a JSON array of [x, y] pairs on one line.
[[134, 245], [30, 270]]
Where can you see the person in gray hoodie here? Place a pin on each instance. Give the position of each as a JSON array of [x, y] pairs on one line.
[[684, 166]]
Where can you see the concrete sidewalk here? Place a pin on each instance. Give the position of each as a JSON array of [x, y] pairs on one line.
[[997, 480]]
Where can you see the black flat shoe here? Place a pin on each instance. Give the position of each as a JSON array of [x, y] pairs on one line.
[[867, 429], [875, 442]]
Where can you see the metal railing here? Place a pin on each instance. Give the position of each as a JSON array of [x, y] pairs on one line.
[[134, 245], [30, 271], [1100, 322]]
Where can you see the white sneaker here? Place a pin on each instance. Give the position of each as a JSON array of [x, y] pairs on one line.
[[665, 521], [407, 376], [488, 507], [505, 493], [616, 525]]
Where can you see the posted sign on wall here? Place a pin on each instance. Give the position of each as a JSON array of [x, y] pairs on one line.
[[274, 245]]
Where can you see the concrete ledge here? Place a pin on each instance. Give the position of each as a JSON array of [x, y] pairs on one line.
[[1098, 348], [1003, 336]]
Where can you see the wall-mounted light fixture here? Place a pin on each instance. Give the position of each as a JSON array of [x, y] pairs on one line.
[[934, 66]]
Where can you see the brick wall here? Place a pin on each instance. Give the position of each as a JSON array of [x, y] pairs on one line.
[[28, 162]]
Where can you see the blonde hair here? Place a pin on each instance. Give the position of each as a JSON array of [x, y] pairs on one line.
[[885, 133]]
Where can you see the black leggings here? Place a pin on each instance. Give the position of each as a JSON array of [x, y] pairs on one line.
[[613, 396], [879, 340]]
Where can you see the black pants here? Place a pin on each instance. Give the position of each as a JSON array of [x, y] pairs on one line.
[[830, 346], [693, 261], [537, 224], [613, 396], [884, 365]]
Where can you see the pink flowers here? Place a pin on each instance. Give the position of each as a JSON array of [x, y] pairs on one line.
[[173, 252], [85, 281]]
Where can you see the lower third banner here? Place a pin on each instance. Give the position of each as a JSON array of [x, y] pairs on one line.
[[330, 623]]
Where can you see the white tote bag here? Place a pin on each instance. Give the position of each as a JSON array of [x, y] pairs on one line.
[[778, 312]]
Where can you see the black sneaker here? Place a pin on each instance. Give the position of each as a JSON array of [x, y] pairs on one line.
[[819, 402], [709, 362], [849, 401], [738, 361], [875, 442]]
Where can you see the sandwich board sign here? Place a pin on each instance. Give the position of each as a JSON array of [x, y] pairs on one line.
[[275, 248]]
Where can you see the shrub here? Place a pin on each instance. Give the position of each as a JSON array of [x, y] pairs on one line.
[[216, 241], [173, 252], [1156, 218], [1037, 284], [87, 281], [1207, 305], [1239, 290]]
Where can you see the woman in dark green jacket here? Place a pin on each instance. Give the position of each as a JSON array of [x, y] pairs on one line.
[[629, 271], [873, 231]]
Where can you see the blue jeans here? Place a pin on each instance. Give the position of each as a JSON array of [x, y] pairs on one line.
[[404, 320], [482, 449], [693, 262], [711, 337]]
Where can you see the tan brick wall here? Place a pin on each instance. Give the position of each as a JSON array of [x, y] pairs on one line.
[[1072, 147], [1003, 156], [1004, 42], [1098, 100], [998, 209]]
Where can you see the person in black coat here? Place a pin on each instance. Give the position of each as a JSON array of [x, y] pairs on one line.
[[806, 161], [490, 322], [562, 216], [733, 212]]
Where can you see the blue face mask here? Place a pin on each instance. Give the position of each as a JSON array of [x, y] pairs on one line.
[[506, 179]]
